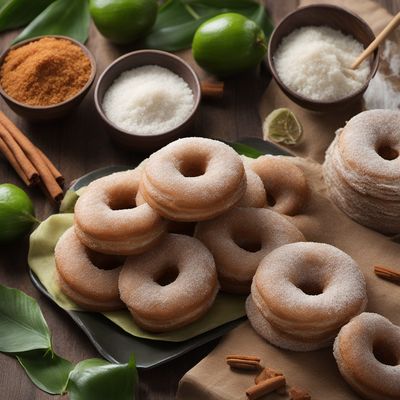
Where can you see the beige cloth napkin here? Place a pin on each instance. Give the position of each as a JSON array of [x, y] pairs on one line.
[[321, 221], [319, 128]]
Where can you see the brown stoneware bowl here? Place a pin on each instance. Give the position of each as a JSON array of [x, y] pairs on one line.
[[137, 141], [336, 18], [46, 113]]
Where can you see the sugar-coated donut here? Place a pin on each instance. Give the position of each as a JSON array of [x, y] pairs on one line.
[[193, 179], [89, 279], [171, 285], [285, 184], [107, 219], [279, 338], [308, 291], [240, 239], [184, 228], [362, 169], [367, 351], [255, 195]]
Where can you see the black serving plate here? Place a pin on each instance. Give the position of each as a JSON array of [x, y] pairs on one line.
[[111, 341]]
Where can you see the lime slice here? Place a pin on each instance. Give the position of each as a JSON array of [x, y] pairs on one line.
[[282, 126]]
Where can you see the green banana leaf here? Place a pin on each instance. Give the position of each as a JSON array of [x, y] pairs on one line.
[[178, 20], [96, 379], [245, 150], [63, 17], [22, 325], [47, 370], [16, 13]]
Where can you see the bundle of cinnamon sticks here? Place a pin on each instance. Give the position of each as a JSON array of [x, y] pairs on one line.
[[30, 163], [267, 381]]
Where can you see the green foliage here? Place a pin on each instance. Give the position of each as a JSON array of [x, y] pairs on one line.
[[16, 13], [63, 17], [24, 334], [22, 325], [96, 379], [178, 20], [47, 370], [245, 150]]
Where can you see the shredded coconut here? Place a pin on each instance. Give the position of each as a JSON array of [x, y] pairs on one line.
[[148, 100], [315, 61]]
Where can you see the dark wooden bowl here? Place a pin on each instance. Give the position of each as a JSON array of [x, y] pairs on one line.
[[137, 141], [336, 18], [46, 113]]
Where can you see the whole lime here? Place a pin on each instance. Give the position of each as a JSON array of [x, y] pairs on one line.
[[16, 212], [228, 43], [123, 21]]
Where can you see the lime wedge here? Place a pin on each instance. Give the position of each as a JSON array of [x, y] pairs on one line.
[[282, 126]]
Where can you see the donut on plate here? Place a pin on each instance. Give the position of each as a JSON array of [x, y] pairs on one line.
[[170, 286], [193, 179], [285, 184], [362, 170], [183, 228], [367, 351], [240, 239], [255, 195], [89, 279], [305, 292], [108, 221]]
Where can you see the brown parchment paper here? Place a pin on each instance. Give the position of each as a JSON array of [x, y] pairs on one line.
[[319, 128], [321, 221]]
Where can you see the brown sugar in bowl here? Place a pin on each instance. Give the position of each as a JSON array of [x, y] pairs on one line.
[[53, 111], [334, 17]]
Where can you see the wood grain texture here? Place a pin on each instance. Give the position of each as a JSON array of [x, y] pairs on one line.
[[79, 144]]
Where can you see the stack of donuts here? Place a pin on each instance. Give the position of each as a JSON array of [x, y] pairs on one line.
[[303, 293], [362, 170], [122, 250]]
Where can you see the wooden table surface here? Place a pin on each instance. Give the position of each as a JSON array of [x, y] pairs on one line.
[[78, 145]]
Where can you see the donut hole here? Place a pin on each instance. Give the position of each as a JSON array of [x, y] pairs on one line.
[[192, 167], [248, 242], [311, 288], [271, 201], [387, 152], [167, 276], [384, 353], [122, 202], [104, 261]]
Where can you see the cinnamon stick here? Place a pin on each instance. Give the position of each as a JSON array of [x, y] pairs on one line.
[[55, 172], [49, 182], [265, 387], [243, 364], [13, 161], [266, 373], [212, 89], [243, 357], [17, 157], [387, 274]]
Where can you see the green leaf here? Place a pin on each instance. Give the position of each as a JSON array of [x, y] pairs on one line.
[[63, 17], [16, 13], [245, 150], [96, 379], [22, 325], [47, 370], [178, 20]]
